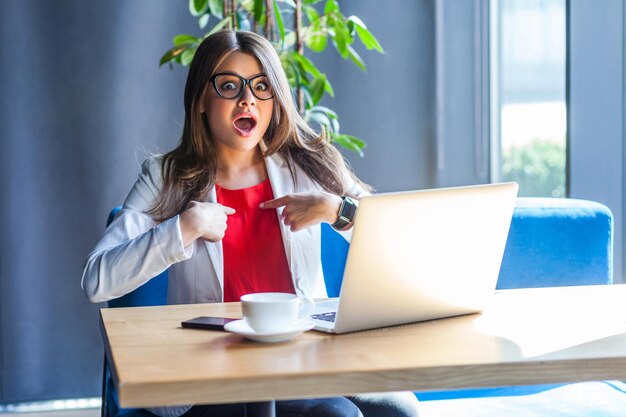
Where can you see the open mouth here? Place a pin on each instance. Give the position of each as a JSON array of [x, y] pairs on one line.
[[245, 124]]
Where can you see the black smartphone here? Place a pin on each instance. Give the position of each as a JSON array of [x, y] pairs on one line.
[[210, 323]]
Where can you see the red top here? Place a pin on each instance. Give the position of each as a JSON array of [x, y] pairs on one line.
[[254, 255]]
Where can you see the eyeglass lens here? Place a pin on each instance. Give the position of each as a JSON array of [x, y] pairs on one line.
[[231, 86]]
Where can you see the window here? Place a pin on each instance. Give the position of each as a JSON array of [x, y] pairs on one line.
[[528, 100]]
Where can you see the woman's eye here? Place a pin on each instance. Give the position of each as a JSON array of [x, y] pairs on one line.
[[261, 86], [229, 86]]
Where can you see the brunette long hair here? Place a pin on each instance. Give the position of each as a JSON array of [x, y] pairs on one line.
[[189, 170]]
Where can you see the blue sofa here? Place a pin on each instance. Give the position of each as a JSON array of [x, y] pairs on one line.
[[552, 242]]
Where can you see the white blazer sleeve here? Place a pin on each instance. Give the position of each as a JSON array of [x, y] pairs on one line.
[[134, 248]]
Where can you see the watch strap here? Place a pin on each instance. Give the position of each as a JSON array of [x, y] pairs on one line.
[[346, 213]]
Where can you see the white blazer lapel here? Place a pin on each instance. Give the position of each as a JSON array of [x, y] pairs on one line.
[[282, 184], [216, 254]]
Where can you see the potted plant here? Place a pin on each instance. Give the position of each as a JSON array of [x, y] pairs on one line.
[[309, 27]]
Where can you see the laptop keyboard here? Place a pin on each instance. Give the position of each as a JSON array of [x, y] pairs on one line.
[[330, 316]]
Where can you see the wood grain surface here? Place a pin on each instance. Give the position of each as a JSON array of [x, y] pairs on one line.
[[529, 336]]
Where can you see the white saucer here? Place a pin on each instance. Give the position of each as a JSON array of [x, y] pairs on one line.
[[241, 327]]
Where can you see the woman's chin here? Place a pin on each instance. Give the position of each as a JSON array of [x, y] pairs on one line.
[[243, 144]]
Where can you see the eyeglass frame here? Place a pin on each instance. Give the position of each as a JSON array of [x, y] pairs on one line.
[[246, 82]]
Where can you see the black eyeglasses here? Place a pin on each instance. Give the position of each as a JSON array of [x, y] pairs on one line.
[[231, 86]]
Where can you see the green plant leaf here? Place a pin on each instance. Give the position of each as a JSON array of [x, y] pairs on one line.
[[187, 56], [311, 1], [330, 113], [356, 58], [366, 37], [308, 100], [295, 74], [173, 53], [219, 26], [319, 118], [184, 39], [217, 8], [259, 9], [290, 40], [279, 21], [306, 63], [357, 21], [198, 7], [350, 25], [341, 38], [317, 41], [293, 69], [317, 88], [329, 88], [204, 20], [351, 143], [331, 6], [310, 12]]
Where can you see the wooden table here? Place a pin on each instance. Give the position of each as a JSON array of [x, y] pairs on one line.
[[529, 336]]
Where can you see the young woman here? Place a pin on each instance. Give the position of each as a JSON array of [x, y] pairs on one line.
[[246, 160]]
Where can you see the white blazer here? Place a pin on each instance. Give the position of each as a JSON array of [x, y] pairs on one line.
[[134, 248]]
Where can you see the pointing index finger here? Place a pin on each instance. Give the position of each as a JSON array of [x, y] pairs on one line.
[[275, 203]]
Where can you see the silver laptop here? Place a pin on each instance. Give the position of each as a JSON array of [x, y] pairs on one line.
[[421, 255]]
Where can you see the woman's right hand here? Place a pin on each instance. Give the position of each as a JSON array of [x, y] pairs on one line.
[[204, 220]]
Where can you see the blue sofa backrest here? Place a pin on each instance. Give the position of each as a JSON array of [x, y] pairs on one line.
[[152, 293], [552, 242], [556, 242]]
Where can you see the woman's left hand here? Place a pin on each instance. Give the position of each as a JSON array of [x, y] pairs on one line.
[[303, 210]]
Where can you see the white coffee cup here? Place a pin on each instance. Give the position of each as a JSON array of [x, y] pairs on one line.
[[271, 312]]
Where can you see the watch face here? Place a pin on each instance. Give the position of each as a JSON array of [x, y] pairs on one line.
[[348, 209], [346, 213]]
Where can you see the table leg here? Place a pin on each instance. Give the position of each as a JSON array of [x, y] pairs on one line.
[[261, 409]]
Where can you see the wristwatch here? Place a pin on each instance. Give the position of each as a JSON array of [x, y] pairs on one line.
[[346, 213]]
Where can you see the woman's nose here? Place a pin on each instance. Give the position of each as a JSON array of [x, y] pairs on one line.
[[247, 98]]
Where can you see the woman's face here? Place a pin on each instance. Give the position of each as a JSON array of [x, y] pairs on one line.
[[240, 123]]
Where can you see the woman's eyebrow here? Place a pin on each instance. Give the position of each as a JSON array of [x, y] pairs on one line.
[[239, 75]]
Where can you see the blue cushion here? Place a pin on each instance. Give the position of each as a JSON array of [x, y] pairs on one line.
[[113, 408], [334, 253], [152, 293], [484, 392], [556, 242], [584, 399]]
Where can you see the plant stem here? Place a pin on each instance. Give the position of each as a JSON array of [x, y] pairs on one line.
[[299, 49], [226, 10], [269, 20], [233, 14]]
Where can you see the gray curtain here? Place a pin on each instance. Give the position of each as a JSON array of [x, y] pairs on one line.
[[83, 101]]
